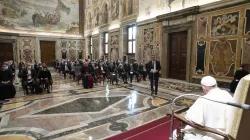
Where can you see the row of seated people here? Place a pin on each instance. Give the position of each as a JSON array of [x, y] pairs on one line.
[[101, 70], [35, 78]]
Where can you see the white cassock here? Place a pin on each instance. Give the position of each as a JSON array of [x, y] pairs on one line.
[[209, 114]]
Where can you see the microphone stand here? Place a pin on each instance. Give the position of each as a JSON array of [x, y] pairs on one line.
[[242, 106]]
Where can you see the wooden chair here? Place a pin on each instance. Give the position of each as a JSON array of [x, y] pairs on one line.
[[238, 124]]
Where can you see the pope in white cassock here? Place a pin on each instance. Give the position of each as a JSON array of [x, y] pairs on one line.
[[208, 113]]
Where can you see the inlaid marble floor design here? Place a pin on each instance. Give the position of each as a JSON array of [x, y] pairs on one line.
[[78, 113]]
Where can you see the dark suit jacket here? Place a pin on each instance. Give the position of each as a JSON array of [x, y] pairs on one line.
[[151, 66], [135, 67], [25, 74], [127, 68]]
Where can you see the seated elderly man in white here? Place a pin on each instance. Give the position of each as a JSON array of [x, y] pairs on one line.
[[208, 113]]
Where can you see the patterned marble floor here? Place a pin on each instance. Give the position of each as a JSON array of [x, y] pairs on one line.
[[74, 113]]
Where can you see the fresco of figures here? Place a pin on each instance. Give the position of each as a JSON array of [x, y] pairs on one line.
[[56, 16], [105, 11]]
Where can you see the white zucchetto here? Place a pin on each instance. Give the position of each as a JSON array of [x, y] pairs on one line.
[[208, 81]]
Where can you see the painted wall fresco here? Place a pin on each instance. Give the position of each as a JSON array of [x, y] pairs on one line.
[[149, 9], [109, 12], [56, 16], [127, 7], [98, 14], [115, 9]]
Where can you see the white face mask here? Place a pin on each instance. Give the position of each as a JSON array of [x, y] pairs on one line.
[[5, 68]]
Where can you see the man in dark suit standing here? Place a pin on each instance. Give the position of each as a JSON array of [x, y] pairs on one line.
[[153, 68]]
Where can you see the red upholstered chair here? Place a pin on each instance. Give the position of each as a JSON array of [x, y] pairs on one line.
[[238, 124]]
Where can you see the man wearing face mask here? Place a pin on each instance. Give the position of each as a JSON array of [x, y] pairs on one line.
[[28, 80], [7, 89], [10, 70]]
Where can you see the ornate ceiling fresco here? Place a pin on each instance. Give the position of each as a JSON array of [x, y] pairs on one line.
[[53, 16]]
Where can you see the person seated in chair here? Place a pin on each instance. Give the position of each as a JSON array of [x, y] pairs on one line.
[[238, 75], [28, 78], [142, 71], [46, 78], [124, 75], [208, 113], [135, 70]]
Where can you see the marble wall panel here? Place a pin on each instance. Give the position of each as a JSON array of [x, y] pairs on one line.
[[114, 45], [246, 51], [80, 49], [225, 24], [226, 33], [27, 49], [149, 42], [95, 48], [147, 52], [148, 34], [222, 57], [71, 49], [247, 22], [64, 49], [200, 57], [202, 24]]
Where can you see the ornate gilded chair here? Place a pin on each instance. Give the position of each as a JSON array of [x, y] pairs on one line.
[[238, 124]]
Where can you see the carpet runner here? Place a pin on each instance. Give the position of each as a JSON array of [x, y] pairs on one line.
[[156, 130]]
